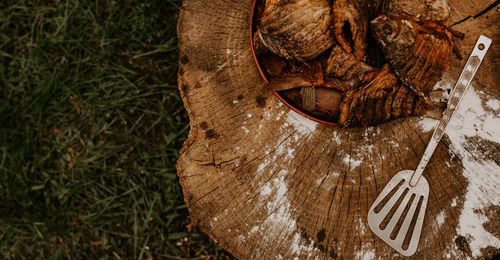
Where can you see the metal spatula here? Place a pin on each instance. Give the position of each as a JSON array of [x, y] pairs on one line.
[[407, 192]]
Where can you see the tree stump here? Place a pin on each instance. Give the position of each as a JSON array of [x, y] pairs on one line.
[[266, 183]]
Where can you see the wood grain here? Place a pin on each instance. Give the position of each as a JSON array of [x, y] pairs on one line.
[[266, 183]]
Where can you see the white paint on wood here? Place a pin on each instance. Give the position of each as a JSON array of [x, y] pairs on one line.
[[301, 124], [361, 226], [472, 121], [280, 220], [281, 113], [366, 253], [352, 162], [427, 124], [493, 104], [440, 218], [301, 247]]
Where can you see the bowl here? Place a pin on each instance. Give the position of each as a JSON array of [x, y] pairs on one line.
[[252, 29]]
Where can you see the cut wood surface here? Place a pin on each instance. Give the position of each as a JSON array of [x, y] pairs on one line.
[[266, 183]]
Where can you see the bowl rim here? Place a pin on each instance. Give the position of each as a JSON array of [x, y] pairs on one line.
[[266, 81]]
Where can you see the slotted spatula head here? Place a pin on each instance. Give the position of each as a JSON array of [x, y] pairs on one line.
[[401, 198]]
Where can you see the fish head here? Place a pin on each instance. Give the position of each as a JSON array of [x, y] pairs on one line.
[[393, 34]]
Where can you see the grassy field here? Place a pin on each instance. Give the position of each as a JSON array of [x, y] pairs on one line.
[[91, 123]]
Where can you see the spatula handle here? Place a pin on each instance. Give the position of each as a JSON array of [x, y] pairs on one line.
[[468, 72]]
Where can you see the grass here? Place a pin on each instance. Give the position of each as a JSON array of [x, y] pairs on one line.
[[91, 123]]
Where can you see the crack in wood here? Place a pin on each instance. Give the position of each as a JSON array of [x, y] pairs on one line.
[[267, 154], [370, 158], [482, 12], [274, 172]]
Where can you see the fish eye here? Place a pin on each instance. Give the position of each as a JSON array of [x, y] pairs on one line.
[[387, 29]]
